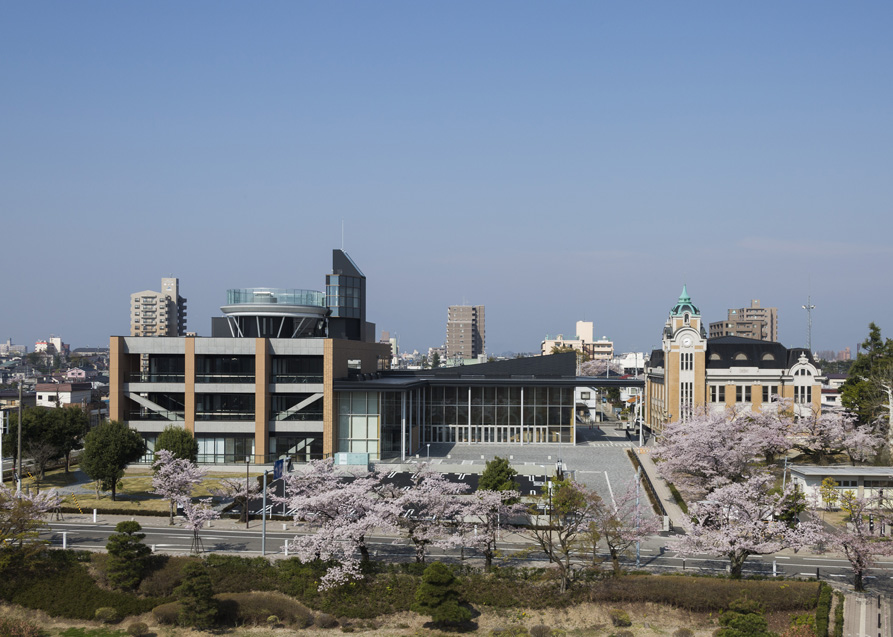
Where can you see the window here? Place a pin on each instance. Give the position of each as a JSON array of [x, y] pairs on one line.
[[803, 394], [687, 361], [742, 393], [768, 392]]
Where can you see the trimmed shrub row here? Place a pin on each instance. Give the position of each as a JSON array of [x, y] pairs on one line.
[[838, 615], [823, 610], [702, 594]]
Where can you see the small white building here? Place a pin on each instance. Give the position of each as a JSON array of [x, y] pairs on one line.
[[863, 481], [57, 394]]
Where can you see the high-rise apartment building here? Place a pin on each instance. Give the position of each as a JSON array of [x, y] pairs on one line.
[[465, 331], [756, 322], [158, 313]]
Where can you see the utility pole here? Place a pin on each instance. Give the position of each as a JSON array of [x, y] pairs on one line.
[[809, 307], [19, 452]]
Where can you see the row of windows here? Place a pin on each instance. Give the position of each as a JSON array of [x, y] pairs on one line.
[[743, 393]]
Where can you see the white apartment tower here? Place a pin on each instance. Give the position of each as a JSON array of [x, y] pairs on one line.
[[465, 331], [158, 313]]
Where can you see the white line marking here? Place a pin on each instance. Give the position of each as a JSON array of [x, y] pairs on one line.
[[610, 490]]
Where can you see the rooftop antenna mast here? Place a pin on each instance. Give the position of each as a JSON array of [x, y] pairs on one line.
[[809, 307], [342, 235]]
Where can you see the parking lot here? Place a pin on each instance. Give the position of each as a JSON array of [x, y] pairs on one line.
[[598, 459]]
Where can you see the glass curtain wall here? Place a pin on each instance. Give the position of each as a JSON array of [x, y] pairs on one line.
[[300, 447], [225, 449], [358, 422], [494, 415], [297, 369]]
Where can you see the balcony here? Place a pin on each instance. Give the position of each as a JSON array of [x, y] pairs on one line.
[[229, 377], [297, 379], [149, 377]]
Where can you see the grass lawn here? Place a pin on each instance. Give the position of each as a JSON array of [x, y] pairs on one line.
[[133, 493]]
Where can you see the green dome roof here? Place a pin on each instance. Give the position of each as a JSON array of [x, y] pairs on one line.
[[684, 305]]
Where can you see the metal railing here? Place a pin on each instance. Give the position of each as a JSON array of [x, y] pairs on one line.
[[297, 379], [231, 377], [150, 377]]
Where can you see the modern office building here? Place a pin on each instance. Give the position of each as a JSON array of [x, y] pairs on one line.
[[158, 313], [691, 372], [465, 337], [273, 381], [756, 322], [262, 385]]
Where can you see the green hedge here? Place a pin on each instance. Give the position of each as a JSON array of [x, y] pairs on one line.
[[823, 611], [677, 497], [838, 615], [704, 594]]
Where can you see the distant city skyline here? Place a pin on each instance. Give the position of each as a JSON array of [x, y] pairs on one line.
[[550, 162]]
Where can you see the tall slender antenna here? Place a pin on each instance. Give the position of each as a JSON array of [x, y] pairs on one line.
[[809, 307], [342, 235]]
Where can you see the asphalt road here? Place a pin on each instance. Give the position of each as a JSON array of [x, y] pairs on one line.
[[656, 553]]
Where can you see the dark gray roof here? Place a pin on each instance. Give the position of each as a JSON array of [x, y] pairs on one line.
[[735, 351]]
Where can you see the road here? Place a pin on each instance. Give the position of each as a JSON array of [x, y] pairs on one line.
[[227, 537]]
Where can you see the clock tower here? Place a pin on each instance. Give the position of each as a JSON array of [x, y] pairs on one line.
[[684, 345]]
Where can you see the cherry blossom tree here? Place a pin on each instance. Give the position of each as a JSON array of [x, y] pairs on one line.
[[708, 450], [569, 510], [859, 539], [486, 513], [197, 515], [21, 518], [830, 433], [746, 518], [344, 508], [768, 431], [599, 367], [241, 492], [622, 523], [175, 478], [429, 510]]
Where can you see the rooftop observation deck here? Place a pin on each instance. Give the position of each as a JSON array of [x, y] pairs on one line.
[[277, 296]]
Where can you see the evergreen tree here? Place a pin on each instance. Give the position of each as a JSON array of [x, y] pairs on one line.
[[438, 597], [860, 392], [498, 475], [127, 555], [178, 441], [108, 449], [198, 608]]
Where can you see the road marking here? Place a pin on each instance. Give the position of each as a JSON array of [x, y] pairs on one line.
[[610, 490]]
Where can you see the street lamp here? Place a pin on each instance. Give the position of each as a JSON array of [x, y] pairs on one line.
[[263, 533], [429, 452], [247, 488], [548, 486]]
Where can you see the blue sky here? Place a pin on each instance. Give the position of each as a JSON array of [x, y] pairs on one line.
[[551, 161]]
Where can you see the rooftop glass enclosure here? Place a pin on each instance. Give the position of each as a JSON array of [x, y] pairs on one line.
[[281, 296], [275, 312]]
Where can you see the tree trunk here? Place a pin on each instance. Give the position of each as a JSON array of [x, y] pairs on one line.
[[172, 513], [364, 551], [736, 565], [858, 582], [615, 561]]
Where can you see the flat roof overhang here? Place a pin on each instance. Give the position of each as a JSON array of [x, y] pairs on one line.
[[404, 383]]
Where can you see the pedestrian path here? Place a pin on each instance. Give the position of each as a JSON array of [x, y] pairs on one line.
[[867, 615], [677, 516]]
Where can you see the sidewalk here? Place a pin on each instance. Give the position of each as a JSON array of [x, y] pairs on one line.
[[676, 515]]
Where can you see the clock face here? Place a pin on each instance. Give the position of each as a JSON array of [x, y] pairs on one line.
[[686, 341]]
